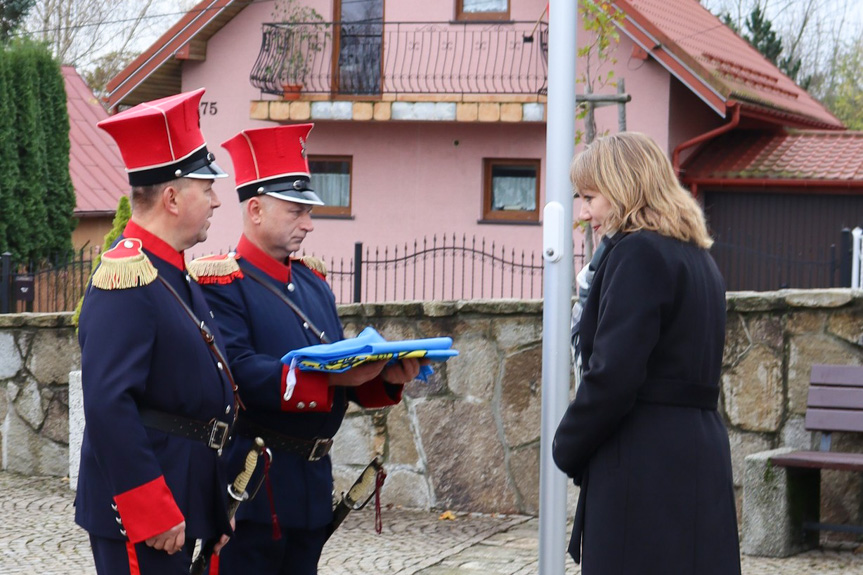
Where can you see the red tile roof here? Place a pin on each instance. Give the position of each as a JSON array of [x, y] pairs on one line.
[[95, 164], [691, 43], [791, 159], [707, 56]]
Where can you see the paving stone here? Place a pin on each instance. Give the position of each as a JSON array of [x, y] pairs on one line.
[[39, 535]]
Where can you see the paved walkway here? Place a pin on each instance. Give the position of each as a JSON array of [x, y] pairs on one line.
[[38, 535]]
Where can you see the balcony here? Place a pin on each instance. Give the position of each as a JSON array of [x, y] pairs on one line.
[[390, 61]]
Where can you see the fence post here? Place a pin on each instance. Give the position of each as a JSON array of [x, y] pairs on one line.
[[856, 257], [358, 272], [621, 106], [845, 249], [5, 281]]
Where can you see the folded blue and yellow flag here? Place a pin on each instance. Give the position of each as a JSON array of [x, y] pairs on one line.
[[369, 345]]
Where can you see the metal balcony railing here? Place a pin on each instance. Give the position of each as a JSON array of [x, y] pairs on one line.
[[375, 58]]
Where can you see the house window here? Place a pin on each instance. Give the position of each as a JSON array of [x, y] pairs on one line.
[[511, 190], [482, 9], [331, 181]]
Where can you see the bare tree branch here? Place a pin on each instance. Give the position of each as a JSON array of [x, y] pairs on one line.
[[80, 32]]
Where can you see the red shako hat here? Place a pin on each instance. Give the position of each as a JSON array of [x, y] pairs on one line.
[[162, 140], [273, 161]]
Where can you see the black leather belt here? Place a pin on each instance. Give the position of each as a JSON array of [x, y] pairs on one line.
[[309, 449], [213, 433], [679, 393]]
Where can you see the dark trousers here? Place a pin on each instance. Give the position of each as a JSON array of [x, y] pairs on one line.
[[118, 557], [252, 549]]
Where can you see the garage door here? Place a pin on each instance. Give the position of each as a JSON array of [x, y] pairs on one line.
[[774, 241]]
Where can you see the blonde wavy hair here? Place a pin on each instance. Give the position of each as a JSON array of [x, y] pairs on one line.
[[631, 171]]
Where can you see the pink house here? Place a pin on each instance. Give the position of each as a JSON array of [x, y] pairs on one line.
[[430, 117]]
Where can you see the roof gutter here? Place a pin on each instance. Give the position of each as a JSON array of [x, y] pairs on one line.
[[778, 183], [85, 214], [733, 123]]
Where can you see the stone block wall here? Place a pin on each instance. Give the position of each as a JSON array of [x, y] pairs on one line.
[[772, 340], [468, 439], [37, 352]]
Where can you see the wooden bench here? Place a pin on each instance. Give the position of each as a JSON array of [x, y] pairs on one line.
[[782, 487], [835, 403]]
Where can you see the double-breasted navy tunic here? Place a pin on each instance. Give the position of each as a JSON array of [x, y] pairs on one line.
[[643, 437], [259, 328], [139, 350]]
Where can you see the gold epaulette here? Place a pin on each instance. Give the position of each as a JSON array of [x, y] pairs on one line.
[[219, 269], [124, 266], [315, 264]]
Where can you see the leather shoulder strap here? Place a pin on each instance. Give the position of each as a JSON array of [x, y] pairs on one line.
[[210, 340], [269, 286]]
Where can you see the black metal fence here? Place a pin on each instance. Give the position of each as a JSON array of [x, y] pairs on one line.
[[443, 268], [777, 267], [772, 265], [403, 58], [48, 286], [446, 267]]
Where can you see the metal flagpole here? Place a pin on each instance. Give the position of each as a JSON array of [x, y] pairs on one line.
[[558, 278]]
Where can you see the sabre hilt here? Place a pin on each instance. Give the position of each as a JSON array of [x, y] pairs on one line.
[[238, 494], [360, 493], [364, 487], [237, 490]]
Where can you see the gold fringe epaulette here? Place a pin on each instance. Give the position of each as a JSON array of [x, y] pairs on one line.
[[315, 264], [124, 266], [218, 269]]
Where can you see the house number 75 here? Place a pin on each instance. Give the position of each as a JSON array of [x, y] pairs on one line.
[[209, 108]]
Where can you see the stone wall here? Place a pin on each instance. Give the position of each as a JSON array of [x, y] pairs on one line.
[[772, 341], [37, 352], [468, 439]]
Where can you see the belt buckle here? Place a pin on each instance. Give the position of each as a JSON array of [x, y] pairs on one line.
[[218, 435], [320, 448]]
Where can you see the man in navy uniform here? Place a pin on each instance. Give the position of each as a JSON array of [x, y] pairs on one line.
[[295, 412], [158, 400]]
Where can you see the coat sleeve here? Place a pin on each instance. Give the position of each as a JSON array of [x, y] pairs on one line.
[[262, 379], [376, 393], [635, 291], [116, 334]]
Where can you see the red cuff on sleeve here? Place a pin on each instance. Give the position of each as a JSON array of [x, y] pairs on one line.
[[373, 393], [312, 391], [148, 510]]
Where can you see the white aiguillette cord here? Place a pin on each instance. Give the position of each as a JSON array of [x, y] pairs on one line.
[[291, 380]]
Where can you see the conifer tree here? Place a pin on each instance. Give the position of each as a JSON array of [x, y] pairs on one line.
[[30, 227], [59, 194], [761, 35], [12, 13], [37, 199], [8, 155]]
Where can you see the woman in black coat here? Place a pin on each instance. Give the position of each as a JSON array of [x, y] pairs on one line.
[[643, 438]]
